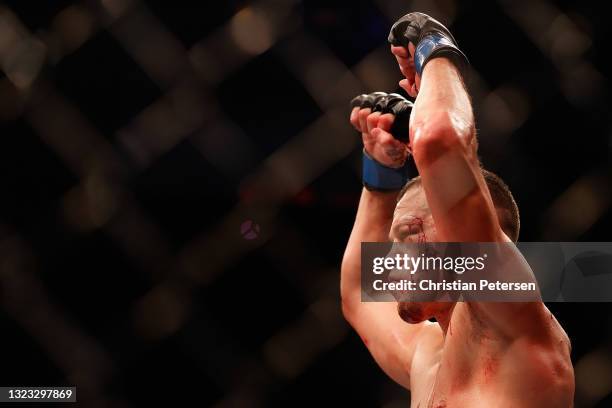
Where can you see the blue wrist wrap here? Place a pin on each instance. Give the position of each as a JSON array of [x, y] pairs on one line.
[[382, 178], [430, 45]]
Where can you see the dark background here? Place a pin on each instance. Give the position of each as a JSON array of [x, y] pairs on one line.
[[138, 138]]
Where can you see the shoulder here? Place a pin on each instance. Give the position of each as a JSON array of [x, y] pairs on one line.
[[537, 348], [545, 362]]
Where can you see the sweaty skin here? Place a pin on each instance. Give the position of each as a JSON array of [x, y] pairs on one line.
[[475, 354]]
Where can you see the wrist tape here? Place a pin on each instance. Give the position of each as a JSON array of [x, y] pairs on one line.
[[379, 177]]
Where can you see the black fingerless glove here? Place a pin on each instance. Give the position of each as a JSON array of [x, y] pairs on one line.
[[394, 104], [430, 38]]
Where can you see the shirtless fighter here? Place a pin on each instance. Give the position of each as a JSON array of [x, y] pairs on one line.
[[475, 354]]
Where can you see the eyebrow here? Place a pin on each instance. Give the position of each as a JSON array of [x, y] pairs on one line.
[[404, 221]]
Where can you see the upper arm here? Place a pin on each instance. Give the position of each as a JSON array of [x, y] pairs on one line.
[[514, 320], [390, 340]]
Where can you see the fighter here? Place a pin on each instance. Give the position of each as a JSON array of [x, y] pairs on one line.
[[474, 354]]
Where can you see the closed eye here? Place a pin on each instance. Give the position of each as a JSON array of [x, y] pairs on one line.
[[411, 227]]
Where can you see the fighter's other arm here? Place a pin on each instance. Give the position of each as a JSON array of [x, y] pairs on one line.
[[389, 339]]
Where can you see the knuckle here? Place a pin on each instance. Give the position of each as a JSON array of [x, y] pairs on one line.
[[363, 114], [386, 121], [373, 119]]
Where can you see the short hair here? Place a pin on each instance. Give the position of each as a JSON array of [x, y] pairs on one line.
[[503, 200]]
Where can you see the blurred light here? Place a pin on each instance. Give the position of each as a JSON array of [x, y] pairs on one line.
[[378, 71], [163, 124], [578, 208], [251, 31], [560, 39], [322, 73], [21, 56], [11, 103], [582, 83], [204, 63], [566, 40], [116, 8], [505, 109], [160, 313], [594, 376], [161, 55], [74, 25], [92, 204], [305, 197], [227, 147]]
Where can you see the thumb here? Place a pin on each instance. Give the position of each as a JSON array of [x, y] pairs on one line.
[[409, 87]]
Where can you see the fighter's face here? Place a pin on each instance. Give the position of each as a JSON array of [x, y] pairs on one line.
[[412, 222]]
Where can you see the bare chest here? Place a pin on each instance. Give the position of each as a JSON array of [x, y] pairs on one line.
[[456, 378]]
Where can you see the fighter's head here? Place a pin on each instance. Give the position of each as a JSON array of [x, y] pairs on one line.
[[413, 222]]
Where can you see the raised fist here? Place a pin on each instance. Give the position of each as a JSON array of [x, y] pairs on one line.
[[383, 120], [417, 38]]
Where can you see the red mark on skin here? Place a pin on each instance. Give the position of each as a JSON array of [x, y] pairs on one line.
[[365, 341], [490, 368], [440, 404], [450, 327], [416, 228]]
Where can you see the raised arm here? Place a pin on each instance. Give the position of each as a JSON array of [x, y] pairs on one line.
[[443, 140], [390, 340]]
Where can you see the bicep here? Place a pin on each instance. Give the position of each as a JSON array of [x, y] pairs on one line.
[[390, 340]]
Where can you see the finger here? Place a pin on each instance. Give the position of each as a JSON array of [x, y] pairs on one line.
[[400, 51], [372, 121], [404, 62], [409, 87], [355, 117], [386, 139], [407, 71], [363, 116], [411, 49], [385, 122]]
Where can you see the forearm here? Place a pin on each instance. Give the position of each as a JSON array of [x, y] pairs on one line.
[[442, 134], [372, 224], [442, 89]]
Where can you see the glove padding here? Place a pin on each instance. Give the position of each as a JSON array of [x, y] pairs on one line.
[[394, 104], [430, 39]]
